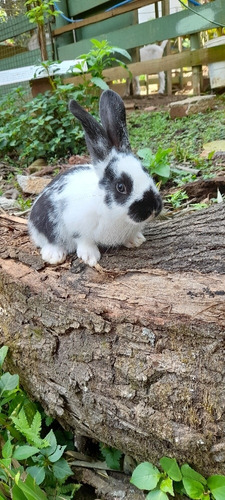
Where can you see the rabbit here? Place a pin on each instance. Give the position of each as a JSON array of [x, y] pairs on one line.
[[105, 203]]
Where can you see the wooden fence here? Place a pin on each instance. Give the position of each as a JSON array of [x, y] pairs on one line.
[[181, 24], [120, 27]]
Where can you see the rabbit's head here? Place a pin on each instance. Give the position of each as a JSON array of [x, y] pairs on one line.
[[126, 183]]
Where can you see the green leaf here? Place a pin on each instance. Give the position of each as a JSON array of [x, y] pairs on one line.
[[57, 454], [7, 449], [99, 82], [217, 486], [170, 466], [17, 494], [32, 433], [112, 456], [167, 486], [194, 489], [36, 424], [157, 495], [190, 473], [97, 43], [51, 439], [5, 463], [161, 154], [146, 476], [31, 490], [24, 452], [147, 156], [123, 52], [3, 353], [8, 382], [38, 473], [61, 469], [3, 476], [161, 170]]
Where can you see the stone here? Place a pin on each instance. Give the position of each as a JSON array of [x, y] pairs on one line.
[[191, 105], [150, 108], [31, 184], [8, 203]]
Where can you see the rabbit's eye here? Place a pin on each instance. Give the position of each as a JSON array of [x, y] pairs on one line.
[[121, 188]]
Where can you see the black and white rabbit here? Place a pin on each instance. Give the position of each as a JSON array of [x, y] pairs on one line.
[[106, 203]]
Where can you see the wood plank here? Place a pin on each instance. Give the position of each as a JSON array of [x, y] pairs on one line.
[[184, 59], [76, 7], [35, 72], [136, 4], [174, 25], [146, 85], [196, 70], [166, 12]]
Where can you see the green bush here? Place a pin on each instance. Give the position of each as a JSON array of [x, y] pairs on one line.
[[40, 128], [44, 127], [28, 460], [183, 480]]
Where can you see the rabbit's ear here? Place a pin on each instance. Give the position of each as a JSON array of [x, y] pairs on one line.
[[97, 141], [113, 117]]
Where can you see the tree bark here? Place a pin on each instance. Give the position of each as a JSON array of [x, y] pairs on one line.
[[42, 42], [133, 355]]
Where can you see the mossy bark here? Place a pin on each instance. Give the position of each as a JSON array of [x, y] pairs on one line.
[[134, 355]]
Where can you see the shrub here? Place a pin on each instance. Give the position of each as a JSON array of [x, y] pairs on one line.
[[26, 459], [41, 128]]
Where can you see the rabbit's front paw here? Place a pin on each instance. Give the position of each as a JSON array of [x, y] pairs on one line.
[[135, 241], [53, 254], [88, 252]]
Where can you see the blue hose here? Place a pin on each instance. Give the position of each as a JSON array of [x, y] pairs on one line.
[[194, 2], [118, 5], [76, 20], [63, 15]]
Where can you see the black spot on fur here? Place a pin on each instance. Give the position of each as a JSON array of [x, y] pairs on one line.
[[76, 235], [142, 209], [42, 215], [109, 182], [125, 179]]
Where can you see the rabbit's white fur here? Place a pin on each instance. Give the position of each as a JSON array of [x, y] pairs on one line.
[[148, 53], [82, 208]]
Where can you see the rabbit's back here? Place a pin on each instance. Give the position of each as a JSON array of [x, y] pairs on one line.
[[58, 213]]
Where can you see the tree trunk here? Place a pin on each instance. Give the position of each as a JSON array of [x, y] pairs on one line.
[[42, 42], [133, 354]]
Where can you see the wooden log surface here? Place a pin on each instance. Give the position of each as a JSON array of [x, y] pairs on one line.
[[132, 354]]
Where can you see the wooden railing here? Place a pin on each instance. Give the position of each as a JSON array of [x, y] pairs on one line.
[[184, 59]]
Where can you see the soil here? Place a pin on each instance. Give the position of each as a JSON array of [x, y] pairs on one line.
[[158, 101], [161, 102]]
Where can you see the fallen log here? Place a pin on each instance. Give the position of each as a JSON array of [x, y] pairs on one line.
[[133, 354]]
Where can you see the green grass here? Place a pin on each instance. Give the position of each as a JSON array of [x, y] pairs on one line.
[[185, 136]]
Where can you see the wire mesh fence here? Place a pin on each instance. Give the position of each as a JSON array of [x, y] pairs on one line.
[[19, 46]]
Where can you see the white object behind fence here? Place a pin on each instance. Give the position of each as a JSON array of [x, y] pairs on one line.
[[27, 73], [217, 69]]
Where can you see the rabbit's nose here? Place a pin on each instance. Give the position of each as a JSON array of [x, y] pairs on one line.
[[150, 204]]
